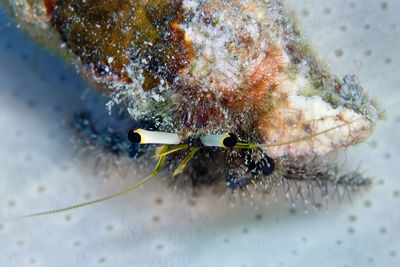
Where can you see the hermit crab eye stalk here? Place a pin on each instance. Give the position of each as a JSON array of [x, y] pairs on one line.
[[227, 140], [141, 136]]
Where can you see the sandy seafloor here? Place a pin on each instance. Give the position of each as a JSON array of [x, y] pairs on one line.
[[39, 170]]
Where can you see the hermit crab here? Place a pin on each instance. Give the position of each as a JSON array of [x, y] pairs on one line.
[[234, 93]]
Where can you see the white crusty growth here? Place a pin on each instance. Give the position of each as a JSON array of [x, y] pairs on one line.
[[240, 53]]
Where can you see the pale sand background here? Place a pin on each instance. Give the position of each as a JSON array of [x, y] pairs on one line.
[[38, 171]]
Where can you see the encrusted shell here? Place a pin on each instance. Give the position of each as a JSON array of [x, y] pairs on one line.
[[211, 67]]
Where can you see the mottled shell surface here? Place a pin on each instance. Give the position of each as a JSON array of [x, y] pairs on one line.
[[203, 67]]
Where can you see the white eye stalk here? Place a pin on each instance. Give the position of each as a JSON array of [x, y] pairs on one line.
[[227, 140], [141, 136]]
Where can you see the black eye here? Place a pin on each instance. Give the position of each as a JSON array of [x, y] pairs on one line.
[[134, 137], [230, 140]]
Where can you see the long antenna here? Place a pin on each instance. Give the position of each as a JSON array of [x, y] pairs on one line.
[[153, 174], [305, 138], [163, 152]]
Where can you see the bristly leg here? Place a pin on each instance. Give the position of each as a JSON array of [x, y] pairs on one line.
[[309, 181], [315, 182]]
